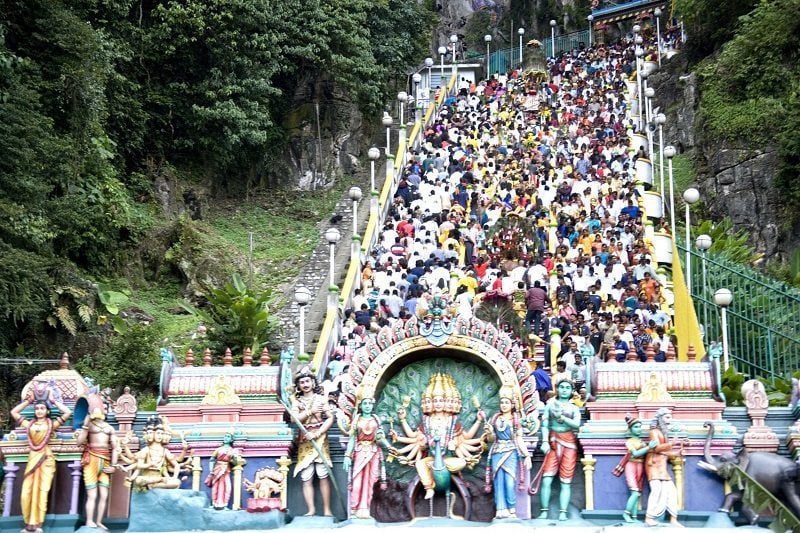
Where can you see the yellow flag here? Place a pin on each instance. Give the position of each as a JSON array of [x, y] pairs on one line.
[[687, 328]]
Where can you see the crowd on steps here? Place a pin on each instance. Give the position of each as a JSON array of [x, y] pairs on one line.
[[525, 189]]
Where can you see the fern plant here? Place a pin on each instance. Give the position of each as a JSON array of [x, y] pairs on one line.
[[70, 307]]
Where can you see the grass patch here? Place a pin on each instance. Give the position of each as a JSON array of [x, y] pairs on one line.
[[683, 172]]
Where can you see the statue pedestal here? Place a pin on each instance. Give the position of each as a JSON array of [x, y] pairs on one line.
[[186, 510]]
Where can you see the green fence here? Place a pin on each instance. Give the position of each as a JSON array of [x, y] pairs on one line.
[[508, 58], [763, 326]]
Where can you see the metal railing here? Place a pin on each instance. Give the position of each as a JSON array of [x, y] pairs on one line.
[[763, 326], [509, 58]]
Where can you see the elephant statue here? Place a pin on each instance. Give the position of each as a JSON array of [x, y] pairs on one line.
[[778, 474]]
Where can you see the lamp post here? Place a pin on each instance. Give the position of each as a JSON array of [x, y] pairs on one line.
[[387, 122], [590, 18], [520, 32], [355, 196], [639, 53], [429, 64], [332, 235], [669, 153], [690, 197], [723, 298], [661, 119], [416, 78], [553, 38], [488, 40], [453, 41], [373, 154], [442, 51], [402, 98], [302, 296], [703, 243], [649, 93], [657, 14]]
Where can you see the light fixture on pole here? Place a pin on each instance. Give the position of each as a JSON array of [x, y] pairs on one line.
[[332, 235], [453, 41], [661, 119], [669, 153], [373, 154], [690, 197], [520, 32], [429, 64], [649, 93], [416, 78], [302, 296], [442, 51], [657, 14], [639, 53], [553, 38], [387, 122], [703, 243], [402, 98], [355, 196], [723, 298], [488, 39], [590, 18]]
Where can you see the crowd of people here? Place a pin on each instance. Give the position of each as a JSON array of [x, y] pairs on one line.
[[526, 187]]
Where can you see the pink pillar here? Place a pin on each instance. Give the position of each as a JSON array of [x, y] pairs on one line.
[[75, 467], [11, 475]]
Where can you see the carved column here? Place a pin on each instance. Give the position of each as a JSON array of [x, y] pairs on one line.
[[237, 487], [75, 472], [283, 464], [589, 463], [197, 471], [125, 409], [11, 475], [677, 468], [759, 437]]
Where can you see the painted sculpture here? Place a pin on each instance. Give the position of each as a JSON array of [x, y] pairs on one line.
[[778, 475], [363, 458], [101, 451], [154, 466], [663, 493], [41, 467], [265, 490], [219, 478], [312, 410], [632, 465], [560, 422], [442, 431], [509, 460]]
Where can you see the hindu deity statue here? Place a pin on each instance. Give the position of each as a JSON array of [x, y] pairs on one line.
[[220, 464], [509, 459], [440, 434], [155, 467], [363, 459]]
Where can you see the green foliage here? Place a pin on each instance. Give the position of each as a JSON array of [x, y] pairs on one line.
[[710, 23], [732, 382], [778, 389], [241, 318], [726, 242], [130, 360]]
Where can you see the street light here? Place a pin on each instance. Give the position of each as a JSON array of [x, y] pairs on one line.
[[416, 78], [553, 38], [402, 98], [302, 296], [723, 298], [590, 18], [639, 53], [657, 13], [661, 119], [649, 93], [690, 197], [703, 243], [520, 32], [429, 64], [453, 41], [373, 154], [442, 51], [488, 39], [355, 196], [669, 153], [332, 235], [387, 122]]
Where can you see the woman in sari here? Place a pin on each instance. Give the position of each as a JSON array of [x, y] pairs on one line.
[[41, 467], [220, 464], [363, 458]]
